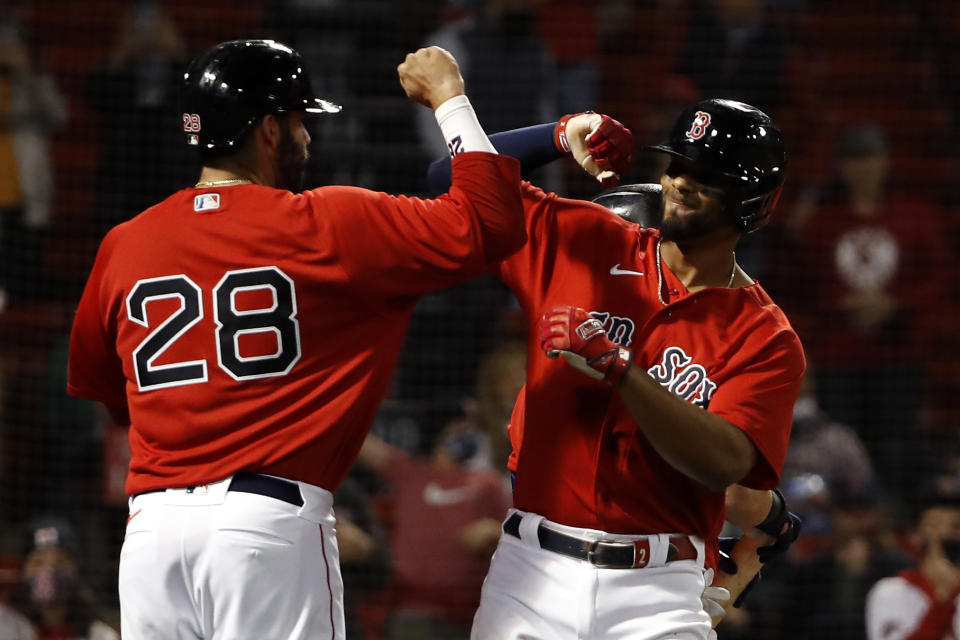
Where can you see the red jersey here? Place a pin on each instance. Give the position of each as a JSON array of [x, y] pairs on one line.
[[579, 456], [250, 328], [433, 572]]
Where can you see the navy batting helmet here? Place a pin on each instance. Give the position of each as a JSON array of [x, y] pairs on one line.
[[737, 146], [640, 203], [226, 90]]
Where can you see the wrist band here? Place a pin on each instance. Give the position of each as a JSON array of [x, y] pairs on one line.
[[560, 134], [777, 515], [461, 129], [560, 139], [618, 370]]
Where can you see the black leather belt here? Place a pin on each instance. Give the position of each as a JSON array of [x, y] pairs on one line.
[[602, 553], [262, 485]]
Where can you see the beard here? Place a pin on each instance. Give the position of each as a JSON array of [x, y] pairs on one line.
[[291, 162], [690, 229]]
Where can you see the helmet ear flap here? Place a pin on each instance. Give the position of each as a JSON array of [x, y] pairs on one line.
[[753, 213]]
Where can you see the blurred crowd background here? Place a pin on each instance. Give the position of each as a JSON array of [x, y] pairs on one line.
[[862, 255]]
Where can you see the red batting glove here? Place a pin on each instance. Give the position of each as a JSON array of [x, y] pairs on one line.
[[611, 145], [581, 340], [604, 152]]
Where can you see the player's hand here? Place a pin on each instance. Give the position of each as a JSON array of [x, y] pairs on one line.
[[430, 76], [727, 565], [942, 574], [713, 597], [579, 337], [600, 144]]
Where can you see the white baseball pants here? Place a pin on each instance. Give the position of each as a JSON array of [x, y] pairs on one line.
[[212, 564], [534, 594]]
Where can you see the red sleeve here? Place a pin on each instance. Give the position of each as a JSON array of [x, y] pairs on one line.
[[398, 245], [935, 625], [95, 371], [759, 401]]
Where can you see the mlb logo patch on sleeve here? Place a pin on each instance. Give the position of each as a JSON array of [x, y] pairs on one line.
[[206, 201]]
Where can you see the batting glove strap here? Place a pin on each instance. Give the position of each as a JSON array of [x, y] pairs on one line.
[[613, 364], [773, 526], [776, 517], [560, 132], [581, 340]]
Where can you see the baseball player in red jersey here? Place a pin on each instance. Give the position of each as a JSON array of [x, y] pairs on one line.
[[247, 333], [678, 380]]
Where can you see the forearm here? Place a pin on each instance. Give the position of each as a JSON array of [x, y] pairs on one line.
[[532, 146], [746, 508], [695, 442]]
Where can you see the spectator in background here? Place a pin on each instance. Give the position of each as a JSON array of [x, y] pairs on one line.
[[500, 377], [823, 595], [921, 603], [505, 63], [877, 267], [31, 108], [13, 624], [364, 550], [446, 524], [52, 594], [570, 30], [142, 155], [825, 448], [827, 465], [734, 51]]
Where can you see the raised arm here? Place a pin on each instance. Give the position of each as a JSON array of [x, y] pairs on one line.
[[600, 144]]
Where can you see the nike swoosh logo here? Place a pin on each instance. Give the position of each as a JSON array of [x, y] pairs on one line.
[[133, 515], [615, 270], [434, 494]]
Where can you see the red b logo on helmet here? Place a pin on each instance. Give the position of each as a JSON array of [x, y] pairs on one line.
[[701, 121]]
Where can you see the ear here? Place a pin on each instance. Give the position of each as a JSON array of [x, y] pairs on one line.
[[270, 132]]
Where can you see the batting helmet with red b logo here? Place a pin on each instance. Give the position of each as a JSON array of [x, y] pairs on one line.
[[736, 146]]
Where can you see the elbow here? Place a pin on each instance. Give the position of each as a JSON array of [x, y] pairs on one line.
[[718, 483], [517, 239], [729, 470], [503, 240]]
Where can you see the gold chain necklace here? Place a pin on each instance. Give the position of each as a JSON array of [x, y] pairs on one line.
[[221, 183], [733, 273]]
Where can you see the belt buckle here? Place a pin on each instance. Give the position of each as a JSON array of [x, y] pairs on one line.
[[593, 556], [592, 548]]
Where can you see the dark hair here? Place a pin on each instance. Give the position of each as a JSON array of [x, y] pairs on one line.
[[930, 498]]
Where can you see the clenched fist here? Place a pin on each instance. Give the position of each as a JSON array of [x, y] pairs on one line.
[[599, 144], [574, 334], [430, 76]]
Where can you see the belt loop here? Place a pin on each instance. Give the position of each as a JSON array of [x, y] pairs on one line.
[[529, 527], [659, 549], [701, 549]]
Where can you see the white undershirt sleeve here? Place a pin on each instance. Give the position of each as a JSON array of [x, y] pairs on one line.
[[461, 129]]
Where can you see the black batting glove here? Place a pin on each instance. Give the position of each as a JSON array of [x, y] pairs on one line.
[[773, 526]]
